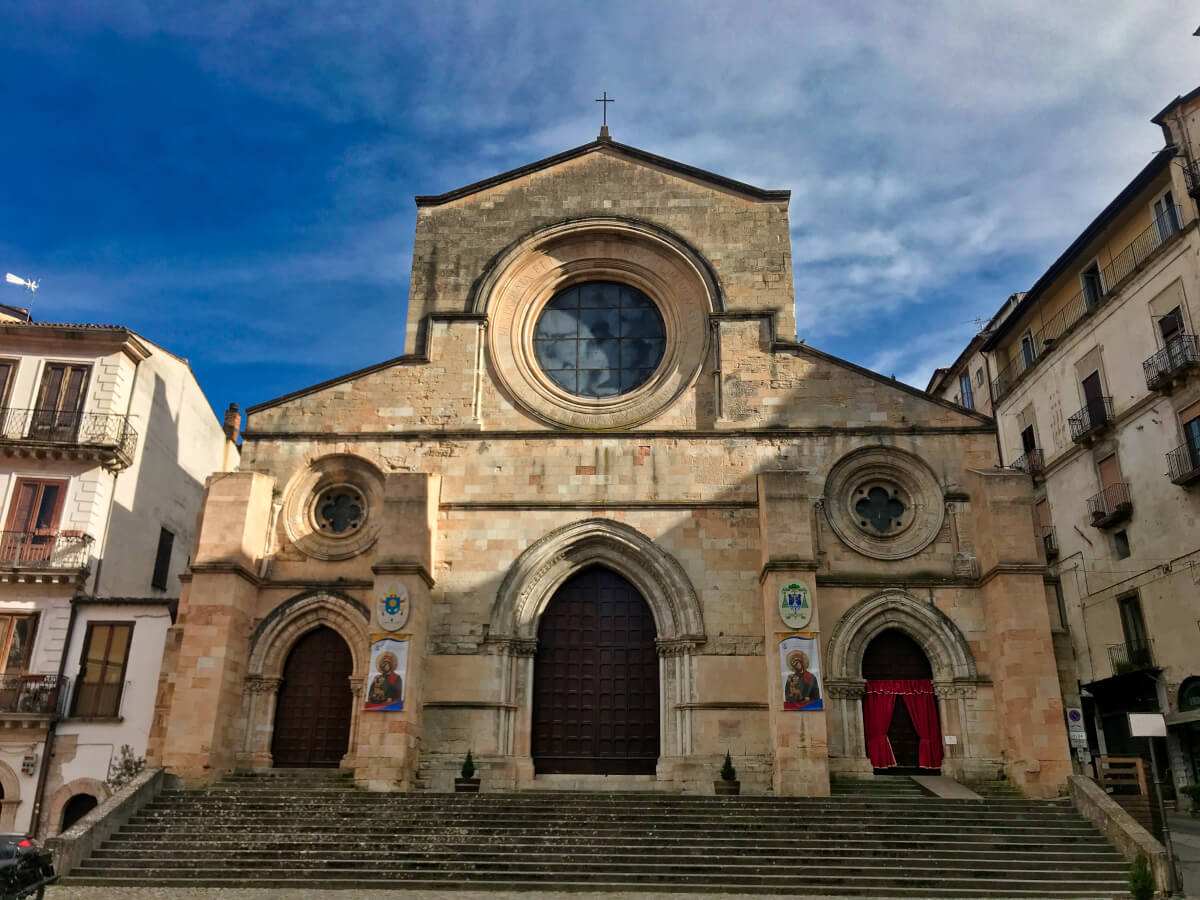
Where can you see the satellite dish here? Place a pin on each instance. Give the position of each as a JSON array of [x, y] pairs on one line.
[[29, 285]]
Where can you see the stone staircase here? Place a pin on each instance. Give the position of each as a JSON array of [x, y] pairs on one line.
[[885, 838]]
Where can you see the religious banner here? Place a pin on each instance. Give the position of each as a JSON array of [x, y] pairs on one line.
[[800, 669], [795, 606], [389, 668], [393, 608]]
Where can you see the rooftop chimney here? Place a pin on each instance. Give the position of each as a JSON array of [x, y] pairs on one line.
[[233, 422]]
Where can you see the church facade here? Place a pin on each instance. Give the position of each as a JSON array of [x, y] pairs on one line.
[[608, 521]]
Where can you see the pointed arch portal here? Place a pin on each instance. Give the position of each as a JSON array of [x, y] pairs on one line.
[[595, 683]]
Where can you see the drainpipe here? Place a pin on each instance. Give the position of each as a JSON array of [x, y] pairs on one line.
[[52, 729]]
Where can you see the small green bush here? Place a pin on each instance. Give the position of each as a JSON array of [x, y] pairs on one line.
[[1141, 880], [1193, 791], [728, 772], [468, 766], [124, 768]]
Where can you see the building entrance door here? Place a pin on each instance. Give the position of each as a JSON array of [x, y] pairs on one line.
[[895, 662], [312, 715], [595, 683]]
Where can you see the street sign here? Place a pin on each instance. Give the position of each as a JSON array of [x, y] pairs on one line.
[[1075, 718], [1147, 725]]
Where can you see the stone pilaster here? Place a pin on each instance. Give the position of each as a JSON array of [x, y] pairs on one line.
[[388, 743], [800, 737]]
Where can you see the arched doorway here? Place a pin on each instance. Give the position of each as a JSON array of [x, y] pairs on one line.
[[77, 807], [312, 715], [595, 686], [899, 707]]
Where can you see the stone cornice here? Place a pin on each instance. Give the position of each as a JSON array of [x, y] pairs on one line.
[[404, 568]]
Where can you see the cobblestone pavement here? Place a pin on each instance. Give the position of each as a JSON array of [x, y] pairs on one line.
[[112, 893]]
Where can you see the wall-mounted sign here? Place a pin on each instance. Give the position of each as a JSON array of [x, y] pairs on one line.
[[795, 606], [389, 668], [1075, 718], [1078, 739], [394, 607]]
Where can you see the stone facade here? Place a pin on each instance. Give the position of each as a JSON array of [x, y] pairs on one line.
[[708, 489]]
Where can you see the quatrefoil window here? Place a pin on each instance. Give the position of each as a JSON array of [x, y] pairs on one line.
[[340, 510], [880, 509]]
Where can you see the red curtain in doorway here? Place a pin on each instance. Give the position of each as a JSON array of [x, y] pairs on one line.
[[922, 709], [879, 701]]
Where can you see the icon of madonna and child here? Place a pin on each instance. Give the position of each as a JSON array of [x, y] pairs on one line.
[[801, 671], [389, 665]]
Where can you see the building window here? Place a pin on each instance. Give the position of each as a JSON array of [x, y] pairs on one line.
[[59, 402], [599, 339], [1093, 286], [162, 559], [1028, 439], [1166, 216], [979, 377], [16, 642], [1132, 622], [1121, 544], [964, 383], [1028, 356], [102, 670], [8, 369], [340, 510], [32, 526]]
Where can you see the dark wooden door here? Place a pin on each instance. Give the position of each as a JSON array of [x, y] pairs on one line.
[[595, 683], [312, 715]]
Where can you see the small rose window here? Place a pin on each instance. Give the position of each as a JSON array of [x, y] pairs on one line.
[[340, 510], [879, 508]]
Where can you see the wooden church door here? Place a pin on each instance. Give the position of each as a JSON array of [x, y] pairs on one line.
[[595, 683], [312, 715]]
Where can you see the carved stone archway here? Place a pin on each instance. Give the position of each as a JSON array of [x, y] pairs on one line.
[[270, 645], [955, 675], [12, 798], [58, 802], [530, 585]]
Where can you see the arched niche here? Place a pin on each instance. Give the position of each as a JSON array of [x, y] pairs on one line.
[[58, 801], [10, 798], [955, 674], [270, 644], [527, 590]]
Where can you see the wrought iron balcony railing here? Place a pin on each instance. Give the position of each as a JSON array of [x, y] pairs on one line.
[[1131, 656], [1191, 173], [1183, 463], [1111, 505], [1092, 418], [1124, 264], [71, 428], [1049, 540], [39, 694], [1031, 462], [1181, 353], [44, 549]]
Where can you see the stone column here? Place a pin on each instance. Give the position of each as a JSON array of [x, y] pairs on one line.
[[259, 715], [386, 748], [786, 527], [202, 729]]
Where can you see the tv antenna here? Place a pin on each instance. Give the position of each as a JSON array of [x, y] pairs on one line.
[[29, 284]]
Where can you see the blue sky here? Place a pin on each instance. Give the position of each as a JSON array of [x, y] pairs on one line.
[[235, 180]]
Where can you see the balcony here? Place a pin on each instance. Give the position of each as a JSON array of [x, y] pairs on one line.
[[44, 556], [32, 695], [1130, 260], [1111, 506], [1049, 541], [1183, 464], [1191, 173], [107, 439], [1032, 463], [1091, 420], [1131, 656], [1171, 365]]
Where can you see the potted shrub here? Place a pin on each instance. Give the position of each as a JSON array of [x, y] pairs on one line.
[[469, 782], [728, 785], [1193, 793]]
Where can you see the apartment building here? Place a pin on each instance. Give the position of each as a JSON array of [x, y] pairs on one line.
[[1094, 379], [105, 442]]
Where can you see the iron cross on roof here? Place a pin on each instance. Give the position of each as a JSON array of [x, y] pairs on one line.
[[605, 99]]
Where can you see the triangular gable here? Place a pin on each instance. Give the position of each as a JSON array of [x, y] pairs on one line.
[[623, 150]]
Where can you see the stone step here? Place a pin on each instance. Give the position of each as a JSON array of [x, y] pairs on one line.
[[873, 892], [204, 851]]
